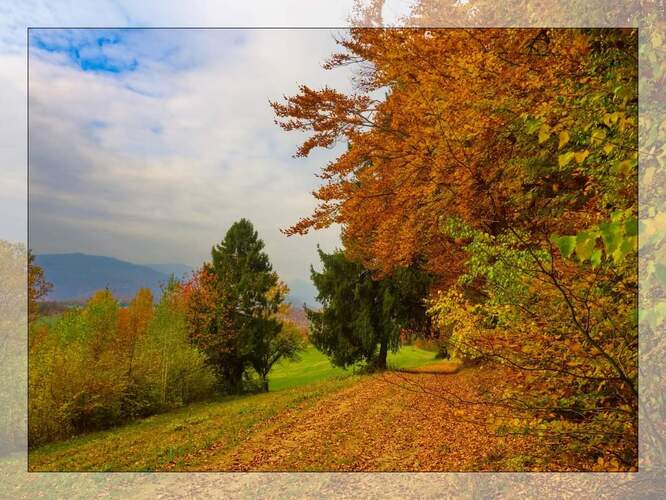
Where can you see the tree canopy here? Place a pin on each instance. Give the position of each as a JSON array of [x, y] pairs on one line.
[[505, 161], [233, 307], [362, 317]]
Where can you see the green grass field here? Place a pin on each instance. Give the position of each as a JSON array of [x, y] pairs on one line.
[[154, 442], [313, 366]]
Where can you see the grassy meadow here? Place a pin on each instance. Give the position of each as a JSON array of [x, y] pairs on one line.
[[185, 438]]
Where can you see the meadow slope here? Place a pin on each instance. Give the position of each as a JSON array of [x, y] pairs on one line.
[[318, 418]]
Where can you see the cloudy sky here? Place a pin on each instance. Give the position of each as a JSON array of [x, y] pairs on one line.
[[146, 145]]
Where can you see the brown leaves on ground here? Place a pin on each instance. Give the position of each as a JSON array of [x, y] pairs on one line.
[[394, 421]]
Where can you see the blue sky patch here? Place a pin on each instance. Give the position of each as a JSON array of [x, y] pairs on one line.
[[101, 51]]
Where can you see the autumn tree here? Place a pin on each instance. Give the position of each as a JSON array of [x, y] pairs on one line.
[[362, 316], [133, 323], [38, 287], [505, 160], [211, 328]]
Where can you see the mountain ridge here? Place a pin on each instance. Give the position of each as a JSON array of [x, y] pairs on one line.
[[76, 276]]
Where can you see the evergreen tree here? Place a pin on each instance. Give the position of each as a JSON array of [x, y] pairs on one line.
[[248, 288], [362, 316]]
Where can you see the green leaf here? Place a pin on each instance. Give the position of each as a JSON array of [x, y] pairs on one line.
[[532, 125], [595, 258], [627, 246], [631, 226], [566, 244], [617, 256], [585, 243], [611, 236]]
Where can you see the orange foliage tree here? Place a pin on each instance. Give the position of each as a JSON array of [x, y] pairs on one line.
[[505, 160]]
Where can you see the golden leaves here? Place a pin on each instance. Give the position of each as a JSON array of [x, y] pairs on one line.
[[564, 139], [580, 156], [564, 159], [544, 133]]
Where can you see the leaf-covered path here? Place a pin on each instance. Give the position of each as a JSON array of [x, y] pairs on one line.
[[388, 422]]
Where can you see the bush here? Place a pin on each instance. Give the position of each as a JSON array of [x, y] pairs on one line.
[[103, 365]]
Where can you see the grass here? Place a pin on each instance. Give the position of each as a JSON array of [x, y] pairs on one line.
[[410, 357], [190, 435], [154, 442], [314, 366]]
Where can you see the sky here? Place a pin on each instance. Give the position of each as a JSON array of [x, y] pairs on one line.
[[146, 145]]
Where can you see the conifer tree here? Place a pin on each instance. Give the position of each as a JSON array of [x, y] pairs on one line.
[[362, 316]]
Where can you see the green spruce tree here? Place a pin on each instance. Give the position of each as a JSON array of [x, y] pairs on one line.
[[249, 288], [362, 317]]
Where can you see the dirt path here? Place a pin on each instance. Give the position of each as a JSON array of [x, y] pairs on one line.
[[387, 422]]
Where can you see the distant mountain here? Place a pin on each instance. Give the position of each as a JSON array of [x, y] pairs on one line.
[[178, 270], [76, 276]]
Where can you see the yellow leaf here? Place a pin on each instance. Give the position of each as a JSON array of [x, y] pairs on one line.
[[598, 136], [565, 158], [581, 155], [544, 133], [564, 138], [608, 148]]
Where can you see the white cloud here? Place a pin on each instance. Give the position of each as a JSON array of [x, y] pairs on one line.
[[16, 16], [148, 179]]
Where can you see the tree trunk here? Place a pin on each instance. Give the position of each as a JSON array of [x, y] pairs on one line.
[[265, 388], [380, 363], [233, 379], [237, 382]]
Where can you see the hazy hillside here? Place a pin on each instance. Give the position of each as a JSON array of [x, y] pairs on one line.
[[75, 276], [178, 270], [302, 292]]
